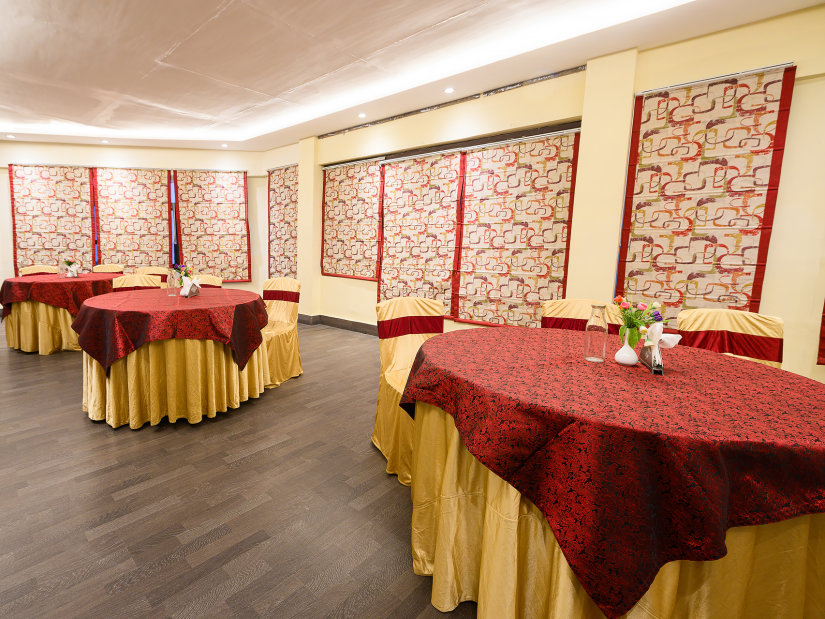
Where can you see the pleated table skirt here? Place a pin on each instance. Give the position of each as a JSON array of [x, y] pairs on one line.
[[177, 378], [481, 540], [36, 327]]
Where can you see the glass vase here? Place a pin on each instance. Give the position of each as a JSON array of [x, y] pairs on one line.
[[173, 283], [595, 335]]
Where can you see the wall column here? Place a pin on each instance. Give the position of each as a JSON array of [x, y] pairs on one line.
[[607, 117], [310, 188]]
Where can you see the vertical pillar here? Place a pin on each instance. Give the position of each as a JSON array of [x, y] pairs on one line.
[[310, 187], [607, 116]]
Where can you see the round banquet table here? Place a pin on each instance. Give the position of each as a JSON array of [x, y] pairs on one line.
[[624, 471], [38, 309], [147, 355]]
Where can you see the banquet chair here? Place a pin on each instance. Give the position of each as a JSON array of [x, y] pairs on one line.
[[209, 281], [404, 324], [161, 272], [108, 268], [280, 336], [126, 283], [38, 269], [747, 335], [573, 314]]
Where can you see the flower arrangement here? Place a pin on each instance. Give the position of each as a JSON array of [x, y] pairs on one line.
[[69, 262], [636, 317], [183, 270]]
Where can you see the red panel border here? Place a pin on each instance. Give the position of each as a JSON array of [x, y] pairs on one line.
[[459, 234], [380, 258], [177, 219], [95, 216], [13, 220], [269, 224], [575, 165], [169, 214], [773, 185], [633, 162], [820, 359]]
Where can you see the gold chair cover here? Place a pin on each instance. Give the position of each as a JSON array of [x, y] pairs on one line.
[[37, 327], [38, 268], [579, 309], [734, 321], [107, 268], [481, 540], [281, 334], [393, 430], [136, 280], [159, 271], [177, 378]]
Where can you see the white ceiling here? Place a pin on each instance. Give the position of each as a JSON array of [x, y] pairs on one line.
[[257, 74]]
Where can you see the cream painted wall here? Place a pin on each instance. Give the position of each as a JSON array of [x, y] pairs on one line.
[[254, 163], [602, 97], [795, 277]]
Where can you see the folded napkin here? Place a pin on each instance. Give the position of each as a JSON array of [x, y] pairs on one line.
[[190, 287], [71, 271]]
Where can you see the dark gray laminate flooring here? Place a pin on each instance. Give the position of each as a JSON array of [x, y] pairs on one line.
[[280, 508]]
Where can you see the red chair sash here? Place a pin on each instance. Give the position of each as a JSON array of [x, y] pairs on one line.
[[572, 324], [410, 325], [281, 295], [130, 288], [743, 344], [210, 286]]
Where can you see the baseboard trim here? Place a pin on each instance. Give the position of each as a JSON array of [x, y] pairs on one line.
[[339, 323]]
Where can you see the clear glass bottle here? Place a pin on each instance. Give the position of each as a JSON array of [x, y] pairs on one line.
[[595, 335]]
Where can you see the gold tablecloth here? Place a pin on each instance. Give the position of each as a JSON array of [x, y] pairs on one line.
[[37, 327], [176, 378], [481, 540]]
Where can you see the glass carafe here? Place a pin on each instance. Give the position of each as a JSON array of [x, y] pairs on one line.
[[595, 335]]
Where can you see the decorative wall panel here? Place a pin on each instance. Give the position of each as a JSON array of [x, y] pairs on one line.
[[517, 205], [283, 222], [133, 213], [350, 220], [214, 227], [420, 211], [51, 215], [702, 182]]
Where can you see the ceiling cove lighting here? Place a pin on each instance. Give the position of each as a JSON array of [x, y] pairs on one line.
[[9, 136], [513, 38]]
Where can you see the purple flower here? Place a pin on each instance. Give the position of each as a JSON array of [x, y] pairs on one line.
[[657, 316]]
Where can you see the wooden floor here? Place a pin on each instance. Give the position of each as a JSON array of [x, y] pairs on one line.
[[280, 508]]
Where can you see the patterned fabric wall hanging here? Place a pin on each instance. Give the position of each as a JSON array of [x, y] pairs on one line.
[[133, 212], [419, 213], [518, 201], [349, 243], [701, 190], [283, 222], [213, 223], [51, 215]]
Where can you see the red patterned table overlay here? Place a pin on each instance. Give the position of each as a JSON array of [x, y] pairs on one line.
[[213, 219], [350, 230], [51, 208], [517, 207], [420, 211], [133, 208], [111, 326], [702, 180], [631, 470], [283, 222], [66, 292]]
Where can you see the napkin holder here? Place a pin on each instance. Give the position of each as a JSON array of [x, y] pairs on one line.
[[190, 287], [651, 354], [71, 271]]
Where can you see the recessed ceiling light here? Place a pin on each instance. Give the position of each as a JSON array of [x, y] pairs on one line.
[[362, 115], [9, 136], [449, 90], [104, 141], [224, 145]]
